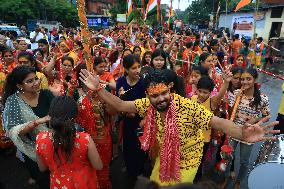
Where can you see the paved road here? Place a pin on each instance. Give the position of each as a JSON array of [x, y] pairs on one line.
[[14, 175], [272, 88]]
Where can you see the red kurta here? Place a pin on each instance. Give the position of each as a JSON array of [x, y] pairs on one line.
[[75, 174]]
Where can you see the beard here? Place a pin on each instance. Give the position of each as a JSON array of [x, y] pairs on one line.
[[162, 106]]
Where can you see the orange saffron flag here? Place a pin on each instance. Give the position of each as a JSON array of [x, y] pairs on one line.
[[241, 4]]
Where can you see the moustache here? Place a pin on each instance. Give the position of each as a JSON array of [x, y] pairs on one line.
[[161, 102]]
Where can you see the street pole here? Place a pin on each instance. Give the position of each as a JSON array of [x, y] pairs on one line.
[[143, 9], [226, 14], [255, 15]]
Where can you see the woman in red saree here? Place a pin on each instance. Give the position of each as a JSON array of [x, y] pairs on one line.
[[95, 120]]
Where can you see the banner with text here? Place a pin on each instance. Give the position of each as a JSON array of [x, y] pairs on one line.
[[243, 25]]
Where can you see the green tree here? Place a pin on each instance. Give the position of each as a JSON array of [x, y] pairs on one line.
[[17, 10], [120, 7], [20, 11], [198, 11], [62, 11]]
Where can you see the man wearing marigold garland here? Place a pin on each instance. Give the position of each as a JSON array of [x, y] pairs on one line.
[[174, 124]]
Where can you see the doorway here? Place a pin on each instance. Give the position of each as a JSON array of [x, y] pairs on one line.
[[275, 29]]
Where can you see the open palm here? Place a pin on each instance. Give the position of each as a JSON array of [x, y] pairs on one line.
[[257, 132], [92, 82]]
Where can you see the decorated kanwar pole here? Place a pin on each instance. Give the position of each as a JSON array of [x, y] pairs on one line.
[[85, 34]]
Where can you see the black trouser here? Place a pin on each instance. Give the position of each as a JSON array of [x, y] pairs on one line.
[[41, 178], [268, 59], [198, 175], [280, 126]]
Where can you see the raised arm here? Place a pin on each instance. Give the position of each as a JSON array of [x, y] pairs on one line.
[[47, 70], [92, 82], [175, 37], [248, 133], [227, 76], [116, 103]]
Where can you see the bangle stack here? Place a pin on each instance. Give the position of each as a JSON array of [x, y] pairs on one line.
[[99, 88]]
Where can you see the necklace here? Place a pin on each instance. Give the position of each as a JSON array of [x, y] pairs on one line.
[[97, 113]]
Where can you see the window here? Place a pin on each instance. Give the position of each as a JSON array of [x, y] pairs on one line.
[[275, 29], [276, 12]]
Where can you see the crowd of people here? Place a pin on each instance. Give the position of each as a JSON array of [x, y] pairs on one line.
[[162, 98]]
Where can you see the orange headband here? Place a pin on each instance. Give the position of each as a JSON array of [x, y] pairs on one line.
[[157, 89]]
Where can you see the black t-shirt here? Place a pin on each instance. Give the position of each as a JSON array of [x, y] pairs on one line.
[[44, 101]]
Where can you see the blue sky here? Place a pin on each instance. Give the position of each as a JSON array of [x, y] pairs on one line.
[[183, 3]]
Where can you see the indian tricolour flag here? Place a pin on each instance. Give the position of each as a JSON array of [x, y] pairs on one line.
[[130, 13], [151, 8]]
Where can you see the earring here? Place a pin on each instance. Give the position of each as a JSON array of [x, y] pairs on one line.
[[21, 90]]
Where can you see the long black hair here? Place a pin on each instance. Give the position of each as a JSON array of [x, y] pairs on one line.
[[256, 94], [156, 53], [62, 111], [115, 54], [17, 76]]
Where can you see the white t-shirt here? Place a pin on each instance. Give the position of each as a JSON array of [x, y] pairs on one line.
[[38, 37]]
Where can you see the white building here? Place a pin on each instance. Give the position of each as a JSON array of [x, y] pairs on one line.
[[269, 21]]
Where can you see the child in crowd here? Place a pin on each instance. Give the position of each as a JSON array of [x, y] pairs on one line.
[[205, 86], [196, 74]]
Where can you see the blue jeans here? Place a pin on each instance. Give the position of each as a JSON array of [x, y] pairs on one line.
[[245, 151]]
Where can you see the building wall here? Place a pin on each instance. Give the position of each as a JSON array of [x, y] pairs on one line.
[[226, 21], [278, 2], [97, 6], [268, 23], [263, 26]]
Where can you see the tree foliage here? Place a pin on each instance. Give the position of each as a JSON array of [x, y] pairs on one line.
[[19, 11], [199, 10], [120, 7]]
